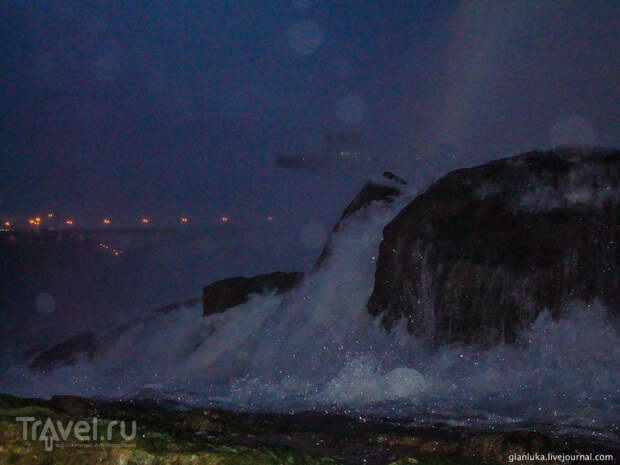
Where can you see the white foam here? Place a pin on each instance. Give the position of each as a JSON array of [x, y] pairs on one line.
[[363, 382]]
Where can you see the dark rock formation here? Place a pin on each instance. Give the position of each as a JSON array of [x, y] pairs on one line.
[[230, 292], [177, 306], [86, 345], [209, 436], [484, 250], [371, 192], [65, 353], [82, 346], [391, 176]]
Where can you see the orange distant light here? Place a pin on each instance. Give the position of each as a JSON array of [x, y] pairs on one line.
[[31, 221], [145, 220], [270, 218], [106, 221], [7, 223], [37, 219], [50, 215], [224, 219], [184, 220], [69, 222]]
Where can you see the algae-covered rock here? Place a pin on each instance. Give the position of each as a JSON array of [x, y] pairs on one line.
[[206, 436], [63, 436]]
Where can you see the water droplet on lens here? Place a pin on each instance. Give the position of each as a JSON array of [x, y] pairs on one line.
[[44, 63], [106, 68], [350, 109], [45, 303], [88, 111], [313, 235], [342, 68], [156, 81], [302, 4], [305, 37]]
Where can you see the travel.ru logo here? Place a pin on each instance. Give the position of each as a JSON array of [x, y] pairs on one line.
[[83, 431]]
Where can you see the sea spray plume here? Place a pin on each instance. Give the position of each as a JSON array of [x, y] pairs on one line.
[[222, 347], [317, 347]]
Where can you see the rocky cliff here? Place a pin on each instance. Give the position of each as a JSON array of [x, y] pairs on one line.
[[230, 292], [484, 250]]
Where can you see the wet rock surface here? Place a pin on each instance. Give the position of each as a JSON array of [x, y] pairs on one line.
[[177, 306], [65, 352], [484, 250], [71, 351], [227, 293], [214, 436]]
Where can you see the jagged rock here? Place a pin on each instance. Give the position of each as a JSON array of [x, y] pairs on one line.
[[230, 292], [79, 347], [84, 346], [178, 305], [65, 353], [371, 192], [391, 176], [484, 250]]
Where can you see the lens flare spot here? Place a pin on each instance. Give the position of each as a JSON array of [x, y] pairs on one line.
[[313, 235], [350, 109], [45, 303], [107, 68], [305, 37]]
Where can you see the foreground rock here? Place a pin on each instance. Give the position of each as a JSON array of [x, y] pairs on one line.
[[163, 438], [484, 250], [230, 292], [211, 436]]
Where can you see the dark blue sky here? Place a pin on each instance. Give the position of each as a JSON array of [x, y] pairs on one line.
[[163, 107]]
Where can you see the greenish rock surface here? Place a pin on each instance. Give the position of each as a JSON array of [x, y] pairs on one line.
[[207, 436], [162, 441]]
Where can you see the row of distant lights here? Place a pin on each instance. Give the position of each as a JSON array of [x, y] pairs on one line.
[[36, 221], [114, 251]]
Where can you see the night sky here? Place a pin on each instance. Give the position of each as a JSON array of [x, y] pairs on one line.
[[167, 108]]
